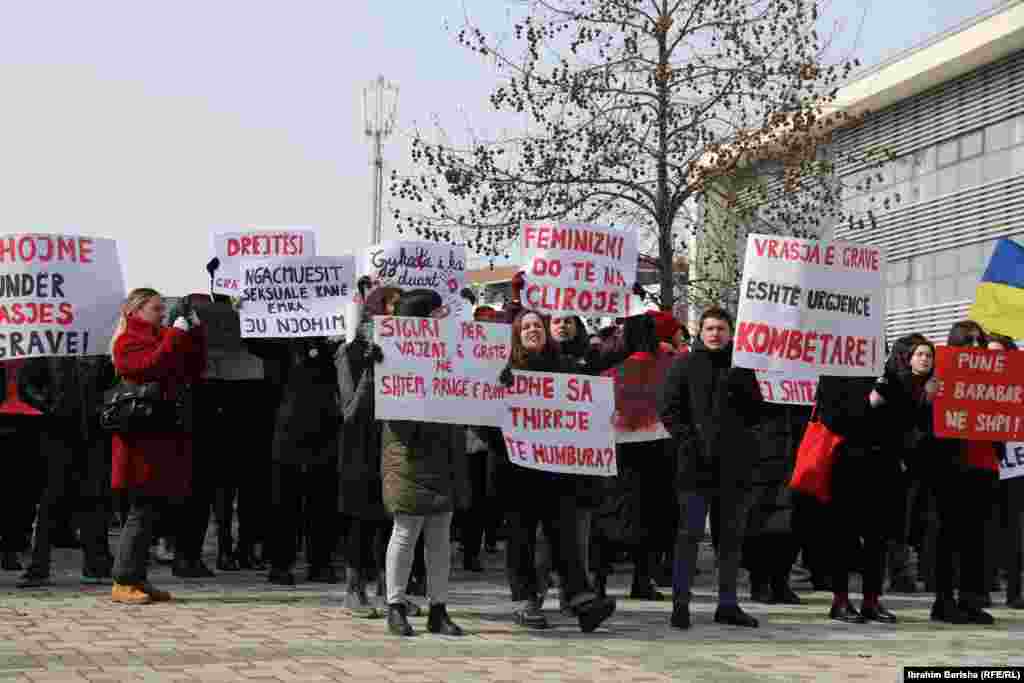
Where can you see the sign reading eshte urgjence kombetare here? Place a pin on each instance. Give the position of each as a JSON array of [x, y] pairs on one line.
[[811, 306], [296, 298]]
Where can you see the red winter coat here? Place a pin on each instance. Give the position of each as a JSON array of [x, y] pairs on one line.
[[156, 464]]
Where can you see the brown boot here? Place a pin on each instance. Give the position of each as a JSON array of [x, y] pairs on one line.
[[155, 594], [130, 594]]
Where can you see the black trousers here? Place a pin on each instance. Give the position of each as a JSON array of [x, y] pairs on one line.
[[964, 499], [865, 506], [1013, 529], [366, 546], [23, 490], [551, 504], [304, 497], [481, 520], [68, 458]]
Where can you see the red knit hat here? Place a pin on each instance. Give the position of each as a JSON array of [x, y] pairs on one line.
[[665, 325]]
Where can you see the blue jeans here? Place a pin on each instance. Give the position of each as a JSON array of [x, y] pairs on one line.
[[730, 517]]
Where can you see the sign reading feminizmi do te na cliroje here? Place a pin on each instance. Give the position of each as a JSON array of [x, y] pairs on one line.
[[60, 295], [811, 307], [577, 269], [296, 297]]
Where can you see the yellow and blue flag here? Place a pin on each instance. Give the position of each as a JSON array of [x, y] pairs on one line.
[[999, 300]]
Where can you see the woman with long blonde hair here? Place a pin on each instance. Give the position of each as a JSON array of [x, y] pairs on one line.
[[148, 467]]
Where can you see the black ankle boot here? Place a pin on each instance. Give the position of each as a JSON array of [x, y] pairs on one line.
[[397, 623], [680, 615], [438, 621]]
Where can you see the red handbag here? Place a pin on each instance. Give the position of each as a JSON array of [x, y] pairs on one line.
[[814, 460]]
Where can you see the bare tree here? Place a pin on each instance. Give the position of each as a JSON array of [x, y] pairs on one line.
[[636, 113]]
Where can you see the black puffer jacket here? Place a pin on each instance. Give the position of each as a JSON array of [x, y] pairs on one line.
[[712, 411]]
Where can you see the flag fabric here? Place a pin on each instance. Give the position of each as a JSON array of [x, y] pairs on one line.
[[999, 300]]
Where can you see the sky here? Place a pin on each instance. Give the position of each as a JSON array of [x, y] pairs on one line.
[[158, 124]]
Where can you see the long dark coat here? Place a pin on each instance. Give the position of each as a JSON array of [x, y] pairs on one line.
[[711, 409], [306, 423], [359, 438], [771, 510]]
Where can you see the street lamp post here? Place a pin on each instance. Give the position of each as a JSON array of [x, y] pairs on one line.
[[380, 104]]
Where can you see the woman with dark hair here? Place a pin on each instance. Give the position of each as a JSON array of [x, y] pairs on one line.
[[359, 453], [553, 497], [963, 475], [423, 475], [872, 416]]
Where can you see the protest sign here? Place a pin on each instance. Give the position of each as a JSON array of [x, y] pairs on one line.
[[786, 388], [561, 423], [1012, 464], [440, 370], [811, 307], [586, 270], [232, 248], [636, 384], [980, 396], [419, 265], [296, 298], [60, 295]]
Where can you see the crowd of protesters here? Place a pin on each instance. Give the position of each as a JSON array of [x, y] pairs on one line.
[[301, 459]]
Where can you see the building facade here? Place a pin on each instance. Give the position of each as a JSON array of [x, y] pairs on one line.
[[951, 115]]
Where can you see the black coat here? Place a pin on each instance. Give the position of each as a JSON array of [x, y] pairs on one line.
[[68, 389], [306, 423], [782, 428], [712, 411], [359, 442]]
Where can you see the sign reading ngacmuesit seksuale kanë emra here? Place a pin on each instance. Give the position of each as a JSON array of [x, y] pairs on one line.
[[811, 306], [60, 295], [296, 297]]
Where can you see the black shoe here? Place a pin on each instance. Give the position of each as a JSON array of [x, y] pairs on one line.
[[782, 594], [592, 614], [879, 614], [397, 623], [10, 562], [417, 587], [734, 616], [846, 614], [192, 570], [34, 579], [946, 610], [680, 615], [471, 563], [322, 575], [530, 615], [1015, 603], [975, 614], [762, 592], [227, 563], [438, 621], [281, 577]]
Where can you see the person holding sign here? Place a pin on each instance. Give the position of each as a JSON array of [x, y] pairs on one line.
[[148, 467], [963, 475], [549, 498], [710, 408], [423, 478]]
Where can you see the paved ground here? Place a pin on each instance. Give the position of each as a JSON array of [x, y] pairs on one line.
[[237, 628]]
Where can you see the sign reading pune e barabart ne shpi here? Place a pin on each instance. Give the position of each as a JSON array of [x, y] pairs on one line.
[[811, 306]]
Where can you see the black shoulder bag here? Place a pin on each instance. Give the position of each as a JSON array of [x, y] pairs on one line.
[[139, 408]]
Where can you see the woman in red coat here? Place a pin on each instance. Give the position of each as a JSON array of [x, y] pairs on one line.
[[149, 467]]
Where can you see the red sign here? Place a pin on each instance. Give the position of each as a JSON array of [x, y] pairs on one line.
[[981, 394]]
